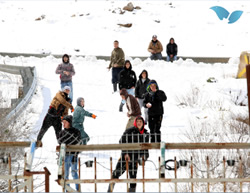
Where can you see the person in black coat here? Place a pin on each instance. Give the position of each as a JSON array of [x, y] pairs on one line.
[[127, 79], [153, 100], [172, 50], [135, 134], [140, 91], [70, 136]]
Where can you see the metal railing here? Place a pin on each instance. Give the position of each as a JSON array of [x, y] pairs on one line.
[[29, 77], [191, 180]]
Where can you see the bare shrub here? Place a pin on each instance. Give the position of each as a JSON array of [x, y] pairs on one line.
[[230, 128], [192, 98]]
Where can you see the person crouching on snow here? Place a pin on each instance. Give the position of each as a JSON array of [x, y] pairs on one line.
[[78, 119], [132, 105]]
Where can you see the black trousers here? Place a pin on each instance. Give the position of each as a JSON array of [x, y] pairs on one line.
[[121, 168], [115, 75], [154, 124], [49, 121]]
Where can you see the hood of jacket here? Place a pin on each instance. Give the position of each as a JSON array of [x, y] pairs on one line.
[[124, 93], [140, 76], [139, 117], [130, 67], [152, 82], [78, 101], [171, 39], [67, 56]]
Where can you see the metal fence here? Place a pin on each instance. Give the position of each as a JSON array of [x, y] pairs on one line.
[[169, 174], [161, 175]]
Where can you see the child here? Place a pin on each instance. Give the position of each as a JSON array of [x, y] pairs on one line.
[[78, 119]]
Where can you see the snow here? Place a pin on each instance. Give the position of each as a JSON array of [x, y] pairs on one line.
[[91, 27], [191, 99]]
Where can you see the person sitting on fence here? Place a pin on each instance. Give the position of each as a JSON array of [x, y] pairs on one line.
[[59, 107], [70, 136], [78, 119], [135, 134]]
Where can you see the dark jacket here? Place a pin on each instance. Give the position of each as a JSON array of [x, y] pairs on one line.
[[140, 87], [172, 48], [133, 135], [156, 99], [132, 104], [127, 78], [71, 136]]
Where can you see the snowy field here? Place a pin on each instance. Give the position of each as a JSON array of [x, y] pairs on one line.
[[192, 102], [214, 104]]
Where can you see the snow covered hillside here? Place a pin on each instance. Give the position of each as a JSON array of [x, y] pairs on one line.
[[192, 101], [89, 27], [197, 109]]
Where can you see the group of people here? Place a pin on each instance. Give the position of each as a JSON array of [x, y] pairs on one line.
[[57, 115], [136, 94], [155, 48]]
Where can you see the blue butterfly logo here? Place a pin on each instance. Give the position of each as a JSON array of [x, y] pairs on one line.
[[223, 13]]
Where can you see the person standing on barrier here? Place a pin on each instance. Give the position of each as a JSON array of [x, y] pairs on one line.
[[135, 134], [127, 80], [59, 107], [78, 119], [70, 136], [140, 91], [132, 106], [153, 100], [66, 71], [116, 63]]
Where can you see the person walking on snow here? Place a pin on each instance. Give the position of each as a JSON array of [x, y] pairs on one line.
[[153, 100], [59, 107], [135, 134], [127, 80], [78, 119], [66, 71], [116, 63], [70, 136], [132, 106], [140, 91]]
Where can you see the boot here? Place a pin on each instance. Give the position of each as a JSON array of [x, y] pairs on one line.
[[131, 190], [111, 185], [121, 107], [115, 87], [39, 143]]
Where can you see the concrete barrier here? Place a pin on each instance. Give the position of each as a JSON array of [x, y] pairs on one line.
[[210, 60]]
